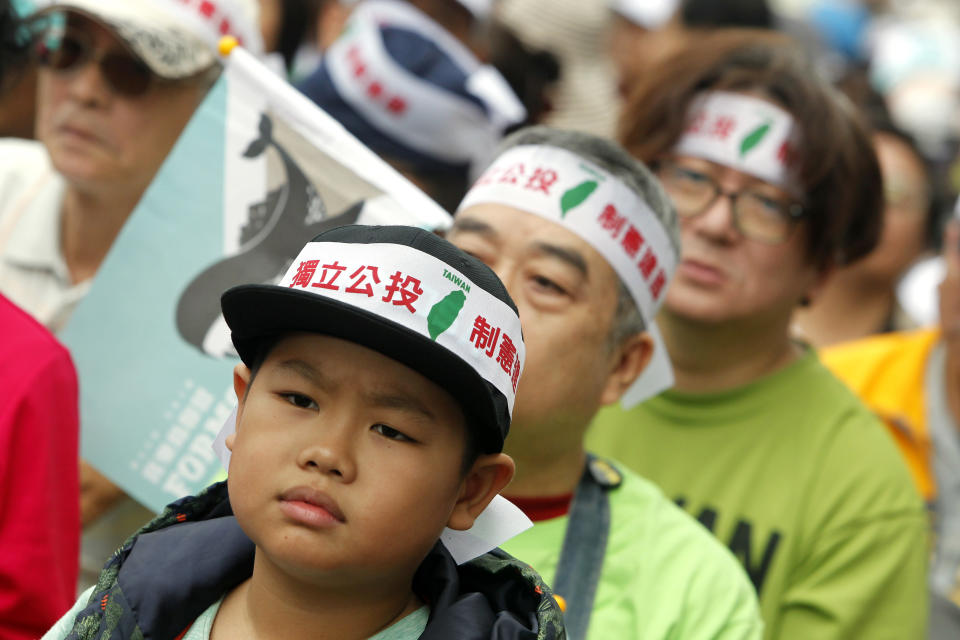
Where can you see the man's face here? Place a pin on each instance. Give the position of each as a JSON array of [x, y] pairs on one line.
[[567, 295], [337, 450], [725, 276], [98, 137]]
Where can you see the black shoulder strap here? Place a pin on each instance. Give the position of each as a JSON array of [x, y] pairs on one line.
[[585, 544]]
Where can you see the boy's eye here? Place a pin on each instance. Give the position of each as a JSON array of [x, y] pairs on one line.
[[299, 400], [391, 433]]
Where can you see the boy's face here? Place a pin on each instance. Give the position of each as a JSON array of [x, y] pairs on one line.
[[345, 464]]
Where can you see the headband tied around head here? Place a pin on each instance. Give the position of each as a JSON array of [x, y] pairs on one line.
[[745, 133], [562, 187]]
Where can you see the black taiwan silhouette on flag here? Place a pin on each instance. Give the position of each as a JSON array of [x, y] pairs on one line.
[[312, 185]]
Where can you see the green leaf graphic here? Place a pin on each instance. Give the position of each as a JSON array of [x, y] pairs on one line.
[[443, 313], [754, 138], [573, 197]]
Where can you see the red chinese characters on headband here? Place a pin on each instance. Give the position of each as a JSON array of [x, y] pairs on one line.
[[359, 277], [328, 277], [374, 87], [487, 338], [537, 179], [210, 12], [402, 290], [715, 126], [633, 244], [786, 154], [409, 290]]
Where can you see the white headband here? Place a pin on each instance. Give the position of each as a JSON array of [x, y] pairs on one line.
[[425, 117], [423, 294], [213, 19], [566, 189], [745, 133]]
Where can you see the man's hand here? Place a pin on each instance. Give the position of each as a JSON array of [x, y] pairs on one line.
[[97, 494], [950, 315]]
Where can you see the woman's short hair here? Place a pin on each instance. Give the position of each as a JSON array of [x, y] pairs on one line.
[[835, 162]]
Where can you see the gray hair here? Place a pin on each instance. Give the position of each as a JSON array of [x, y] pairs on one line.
[[613, 159]]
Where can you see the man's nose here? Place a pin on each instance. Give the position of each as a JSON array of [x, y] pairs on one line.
[[88, 85]]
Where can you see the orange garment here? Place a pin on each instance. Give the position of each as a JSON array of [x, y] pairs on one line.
[[887, 372]]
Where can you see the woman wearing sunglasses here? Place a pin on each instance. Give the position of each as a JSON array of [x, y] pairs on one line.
[[775, 183], [118, 81]]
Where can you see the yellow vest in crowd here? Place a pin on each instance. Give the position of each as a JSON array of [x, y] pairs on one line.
[[887, 372]]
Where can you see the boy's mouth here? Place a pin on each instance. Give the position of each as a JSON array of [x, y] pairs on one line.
[[311, 507]]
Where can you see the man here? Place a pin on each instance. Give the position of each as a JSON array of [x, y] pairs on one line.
[[585, 242], [118, 81]]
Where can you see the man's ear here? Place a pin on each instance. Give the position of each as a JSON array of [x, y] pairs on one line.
[[627, 362], [486, 478]]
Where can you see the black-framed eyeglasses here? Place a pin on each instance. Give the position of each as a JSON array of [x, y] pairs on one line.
[[756, 215], [126, 74]]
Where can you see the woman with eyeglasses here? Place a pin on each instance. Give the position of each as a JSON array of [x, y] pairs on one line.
[[118, 81], [776, 183]]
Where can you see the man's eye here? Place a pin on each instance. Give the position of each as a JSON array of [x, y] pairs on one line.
[[299, 400], [480, 255], [391, 433], [547, 284]]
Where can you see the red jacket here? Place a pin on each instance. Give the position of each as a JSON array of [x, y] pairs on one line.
[[39, 477]]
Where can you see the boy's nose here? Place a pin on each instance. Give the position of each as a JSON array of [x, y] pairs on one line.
[[332, 456]]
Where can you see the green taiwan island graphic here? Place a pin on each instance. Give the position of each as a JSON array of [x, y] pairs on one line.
[[575, 196], [443, 314], [755, 137]]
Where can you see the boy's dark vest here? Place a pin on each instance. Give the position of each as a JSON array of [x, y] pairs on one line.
[[169, 572]]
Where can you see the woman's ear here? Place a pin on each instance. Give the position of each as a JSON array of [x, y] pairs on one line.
[[486, 478], [819, 283]]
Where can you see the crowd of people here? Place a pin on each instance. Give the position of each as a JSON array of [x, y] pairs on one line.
[[670, 326]]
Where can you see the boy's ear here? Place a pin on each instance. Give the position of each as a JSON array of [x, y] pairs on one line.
[[486, 478], [628, 362], [241, 382]]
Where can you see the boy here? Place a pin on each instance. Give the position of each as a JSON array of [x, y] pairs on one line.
[[368, 420]]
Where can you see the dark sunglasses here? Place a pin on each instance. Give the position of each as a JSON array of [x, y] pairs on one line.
[[126, 75]]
